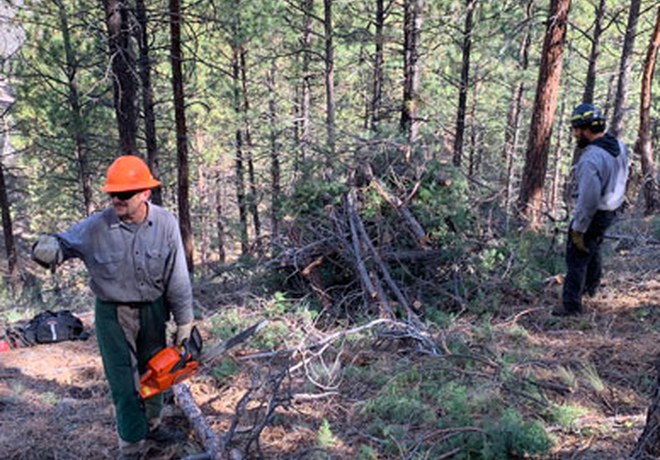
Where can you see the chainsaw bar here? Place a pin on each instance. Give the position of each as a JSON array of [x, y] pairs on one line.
[[218, 350]]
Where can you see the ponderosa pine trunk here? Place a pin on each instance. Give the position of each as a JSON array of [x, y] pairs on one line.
[[124, 83], [511, 134], [183, 173], [590, 83], [623, 82], [304, 124], [239, 145], [5, 207], [253, 198], [379, 59], [150, 139], [329, 87], [644, 145], [413, 19], [78, 123], [275, 174], [531, 199], [464, 83]]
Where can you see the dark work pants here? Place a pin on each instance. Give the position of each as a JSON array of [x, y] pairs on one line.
[[128, 335], [584, 270]]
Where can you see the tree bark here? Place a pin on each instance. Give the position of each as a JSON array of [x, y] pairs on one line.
[[531, 199], [590, 84], [151, 140], [464, 83], [515, 107], [329, 87], [253, 198], [5, 207], [623, 82], [648, 444], [558, 148], [644, 145], [219, 215], [78, 122], [413, 19], [275, 173], [240, 167], [183, 173], [379, 42], [304, 114], [474, 155], [124, 85], [212, 442]]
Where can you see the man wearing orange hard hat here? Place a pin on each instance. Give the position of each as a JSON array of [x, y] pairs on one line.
[[134, 253]]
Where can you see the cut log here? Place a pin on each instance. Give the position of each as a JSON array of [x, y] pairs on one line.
[[205, 434], [648, 444]]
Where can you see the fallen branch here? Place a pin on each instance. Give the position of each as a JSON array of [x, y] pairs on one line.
[[205, 434]]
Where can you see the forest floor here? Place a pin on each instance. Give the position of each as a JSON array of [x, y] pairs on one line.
[[54, 401]]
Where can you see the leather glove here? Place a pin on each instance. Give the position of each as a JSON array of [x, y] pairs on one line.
[[183, 332], [47, 252], [578, 240]]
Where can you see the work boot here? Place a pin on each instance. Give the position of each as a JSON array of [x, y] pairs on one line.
[[561, 310], [130, 450], [165, 435]]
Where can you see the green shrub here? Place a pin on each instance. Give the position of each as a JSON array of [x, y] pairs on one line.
[[511, 436], [567, 415], [325, 439], [225, 369]]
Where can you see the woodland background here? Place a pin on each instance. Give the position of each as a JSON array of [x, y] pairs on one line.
[[402, 160]]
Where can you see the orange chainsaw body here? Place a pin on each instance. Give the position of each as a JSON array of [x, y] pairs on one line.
[[170, 366]]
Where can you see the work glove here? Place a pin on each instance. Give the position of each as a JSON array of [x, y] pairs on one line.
[[183, 332], [578, 241], [47, 252]]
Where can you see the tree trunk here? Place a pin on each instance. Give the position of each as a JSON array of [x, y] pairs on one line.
[[554, 193], [474, 156], [625, 64], [78, 121], [530, 202], [644, 145], [253, 199], [240, 168], [181, 132], [329, 87], [588, 95], [124, 84], [464, 84], [203, 200], [648, 444], [306, 90], [219, 216], [515, 107], [413, 18], [377, 96], [148, 99], [7, 225], [275, 175]]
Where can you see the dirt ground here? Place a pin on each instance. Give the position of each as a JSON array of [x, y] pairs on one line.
[[54, 402]]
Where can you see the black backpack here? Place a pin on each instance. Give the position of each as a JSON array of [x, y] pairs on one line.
[[51, 327]]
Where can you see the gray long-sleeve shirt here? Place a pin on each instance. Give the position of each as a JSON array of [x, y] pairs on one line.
[[602, 173], [133, 263]]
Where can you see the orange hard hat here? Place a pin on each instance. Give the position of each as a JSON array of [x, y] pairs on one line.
[[128, 173]]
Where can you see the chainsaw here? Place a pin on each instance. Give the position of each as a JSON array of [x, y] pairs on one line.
[[174, 364]]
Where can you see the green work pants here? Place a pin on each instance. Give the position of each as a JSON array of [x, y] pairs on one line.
[[128, 336]]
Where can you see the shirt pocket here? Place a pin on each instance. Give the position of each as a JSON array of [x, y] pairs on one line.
[[155, 265], [109, 265]]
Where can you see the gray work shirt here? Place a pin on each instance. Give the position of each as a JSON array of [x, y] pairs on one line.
[[133, 263], [601, 179]]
